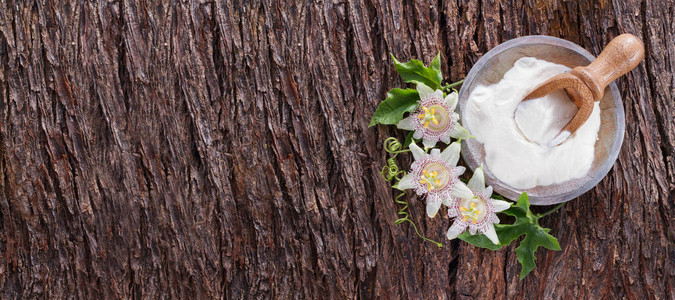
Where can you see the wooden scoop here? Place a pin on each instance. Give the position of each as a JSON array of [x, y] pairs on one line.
[[587, 84]]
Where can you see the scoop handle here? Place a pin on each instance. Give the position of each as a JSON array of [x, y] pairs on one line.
[[621, 55]]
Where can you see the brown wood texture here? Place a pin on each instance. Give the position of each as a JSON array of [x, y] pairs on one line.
[[208, 149]]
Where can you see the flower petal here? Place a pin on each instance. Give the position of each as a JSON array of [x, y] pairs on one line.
[[407, 182], [417, 152], [451, 99], [433, 205], [418, 134], [438, 94], [428, 142], [459, 132], [451, 154], [477, 181], [500, 205], [447, 201], [487, 192], [491, 234], [460, 190], [456, 229], [452, 213], [406, 124], [435, 152], [421, 190], [445, 138], [459, 170], [424, 91]]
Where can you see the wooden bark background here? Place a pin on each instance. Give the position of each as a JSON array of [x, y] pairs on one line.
[[207, 149]]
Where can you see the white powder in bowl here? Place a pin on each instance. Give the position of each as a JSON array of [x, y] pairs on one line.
[[515, 138]]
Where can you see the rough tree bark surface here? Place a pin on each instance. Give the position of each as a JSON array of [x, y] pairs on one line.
[[207, 149]]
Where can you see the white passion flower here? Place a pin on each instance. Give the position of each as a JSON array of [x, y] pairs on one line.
[[435, 174], [435, 118], [474, 208]]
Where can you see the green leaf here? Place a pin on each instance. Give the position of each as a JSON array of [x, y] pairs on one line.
[[480, 240], [415, 72], [408, 140], [398, 102], [436, 65], [535, 235], [534, 238], [526, 224], [498, 197]]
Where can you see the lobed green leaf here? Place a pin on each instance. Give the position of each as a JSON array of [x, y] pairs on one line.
[[535, 237]]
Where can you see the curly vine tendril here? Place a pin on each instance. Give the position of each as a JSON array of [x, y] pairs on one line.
[[391, 172]]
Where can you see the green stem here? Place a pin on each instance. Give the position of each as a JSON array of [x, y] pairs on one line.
[[452, 85], [391, 172], [405, 218], [552, 210]]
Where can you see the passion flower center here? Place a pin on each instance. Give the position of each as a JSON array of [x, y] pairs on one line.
[[473, 210], [435, 176], [434, 117]]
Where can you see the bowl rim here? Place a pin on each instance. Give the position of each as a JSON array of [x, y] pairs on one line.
[[619, 120]]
